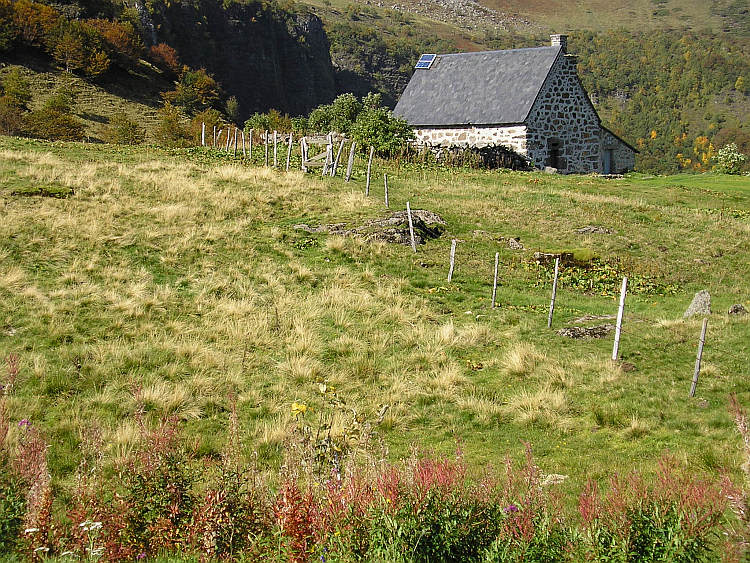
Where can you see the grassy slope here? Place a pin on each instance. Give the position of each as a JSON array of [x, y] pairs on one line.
[[598, 15], [135, 95], [184, 281]]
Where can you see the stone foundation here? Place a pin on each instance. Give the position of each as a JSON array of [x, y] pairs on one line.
[[475, 137]]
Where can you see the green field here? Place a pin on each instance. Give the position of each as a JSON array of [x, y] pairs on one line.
[[171, 281]]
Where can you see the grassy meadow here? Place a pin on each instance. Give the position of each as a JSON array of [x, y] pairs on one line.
[[170, 282]]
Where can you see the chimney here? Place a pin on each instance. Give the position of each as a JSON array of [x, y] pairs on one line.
[[560, 41]]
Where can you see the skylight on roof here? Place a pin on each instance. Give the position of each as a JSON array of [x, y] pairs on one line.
[[425, 61]]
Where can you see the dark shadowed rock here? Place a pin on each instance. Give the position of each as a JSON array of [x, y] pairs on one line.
[[701, 304], [737, 309]]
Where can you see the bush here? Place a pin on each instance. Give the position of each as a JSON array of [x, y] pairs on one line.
[[8, 31], [48, 123], [171, 132], [35, 22], [11, 119], [15, 89], [729, 159], [196, 90], [165, 57], [123, 131], [380, 129]]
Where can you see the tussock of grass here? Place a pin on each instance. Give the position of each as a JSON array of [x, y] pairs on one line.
[[544, 407], [521, 360]]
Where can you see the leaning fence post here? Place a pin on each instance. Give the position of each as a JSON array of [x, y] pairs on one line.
[[289, 151], [554, 294], [453, 260], [494, 283], [618, 326], [350, 164], [411, 228], [338, 156], [369, 167], [385, 185], [698, 358]]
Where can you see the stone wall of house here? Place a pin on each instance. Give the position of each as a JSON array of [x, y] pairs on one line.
[[562, 113], [624, 156], [477, 137]]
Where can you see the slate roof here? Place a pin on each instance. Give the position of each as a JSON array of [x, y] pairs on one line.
[[485, 88]]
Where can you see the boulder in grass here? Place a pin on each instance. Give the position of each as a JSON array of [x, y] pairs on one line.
[[701, 305]]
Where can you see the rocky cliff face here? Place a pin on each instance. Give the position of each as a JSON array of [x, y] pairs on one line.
[[266, 56]]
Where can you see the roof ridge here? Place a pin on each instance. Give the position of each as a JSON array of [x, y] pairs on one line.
[[497, 51]]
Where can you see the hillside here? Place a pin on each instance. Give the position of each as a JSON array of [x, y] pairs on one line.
[[169, 282]]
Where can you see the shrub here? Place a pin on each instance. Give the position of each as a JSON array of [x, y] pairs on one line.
[[54, 125], [380, 129], [165, 57], [673, 519], [11, 119], [196, 90], [729, 159], [15, 89], [124, 131], [171, 131]]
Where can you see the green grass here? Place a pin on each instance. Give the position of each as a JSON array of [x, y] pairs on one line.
[[171, 280]]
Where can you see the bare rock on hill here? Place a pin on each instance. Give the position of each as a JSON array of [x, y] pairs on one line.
[[393, 228], [737, 309], [701, 304], [598, 331], [514, 243]]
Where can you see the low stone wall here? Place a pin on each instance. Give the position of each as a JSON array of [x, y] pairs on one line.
[[474, 137]]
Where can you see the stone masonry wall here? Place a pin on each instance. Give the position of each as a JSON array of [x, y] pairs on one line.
[[624, 157], [512, 137], [563, 112]]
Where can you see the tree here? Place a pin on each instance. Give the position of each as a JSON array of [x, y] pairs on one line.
[[378, 128], [35, 22], [69, 51], [729, 159], [233, 109], [171, 132], [165, 57], [8, 31], [121, 38], [196, 90], [15, 89], [124, 131]]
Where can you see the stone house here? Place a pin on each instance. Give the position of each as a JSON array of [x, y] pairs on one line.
[[528, 100]]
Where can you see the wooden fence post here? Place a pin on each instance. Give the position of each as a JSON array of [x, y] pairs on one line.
[[494, 283], [235, 143], [618, 326], [411, 228], [265, 142], [369, 167], [338, 156], [303, 152], [698, 358], [289, 151], [275, 148], [250, 144], [453, 260], [229, 138], [242, 133], [385, 184], [554, 294], [214, 145], [350, 164], [203, 133]]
